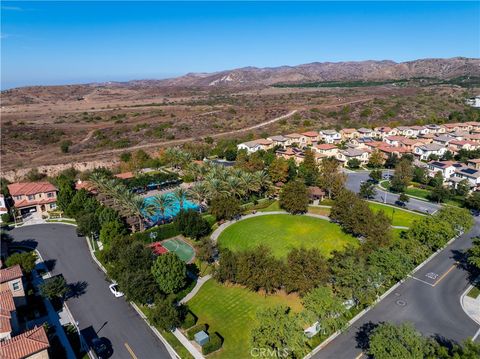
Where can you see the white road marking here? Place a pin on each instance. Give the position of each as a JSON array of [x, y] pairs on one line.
[[420, 280], [476, 335]]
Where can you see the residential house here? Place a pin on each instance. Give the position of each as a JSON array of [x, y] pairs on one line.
[[427, 150], [395, 140], [475, 137], [311, 137], [330, 136], [475, 163], [443, 140], [474, 125], [457, 145], [279, 140], [316, 194], [388, 151], [349, 133], [8, 315], [361, 142], [33, 197], [296, 138], [255, 145], [3, 207], [291, 152], [406, 131], [470, 174], [11, 278], [452, 127], [459, 135], [353, 153], [32, 344], [365, 132], [384, 132], [446, 168], [419, 130], [326, 149], [436, 129]]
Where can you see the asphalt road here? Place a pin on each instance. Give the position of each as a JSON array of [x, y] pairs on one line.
[[430, 300], [97, 311], [354, 180]]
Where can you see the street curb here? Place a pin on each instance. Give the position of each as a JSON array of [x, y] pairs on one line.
[[171, 351], [379, 299], [463, 296]]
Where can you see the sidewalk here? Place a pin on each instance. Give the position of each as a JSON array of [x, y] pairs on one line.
[[201, 281], [470, 305]]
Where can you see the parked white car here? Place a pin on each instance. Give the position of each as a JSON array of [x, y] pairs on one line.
[[114, 289]]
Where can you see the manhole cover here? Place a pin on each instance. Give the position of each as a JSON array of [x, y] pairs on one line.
[[401, 303]]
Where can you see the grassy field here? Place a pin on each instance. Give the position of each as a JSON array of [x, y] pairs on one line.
[[284, 232], [275, 206], [474, 292], [322, 211], [231, 311], [399, 216]]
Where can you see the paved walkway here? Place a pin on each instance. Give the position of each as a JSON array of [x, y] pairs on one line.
[[471, 306], [187, 344], [201, 281]]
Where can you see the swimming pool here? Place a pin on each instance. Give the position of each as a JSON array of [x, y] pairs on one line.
[[173, 210]]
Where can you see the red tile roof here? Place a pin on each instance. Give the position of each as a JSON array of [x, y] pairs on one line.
[[125, 175], [28, 188], [325, 146], [25, 344], [7, 306], [10, 273], [310, 134], [27, 203]]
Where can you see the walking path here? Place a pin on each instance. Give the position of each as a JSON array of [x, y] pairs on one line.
[[470, 305], [187, 344], [201, 281]]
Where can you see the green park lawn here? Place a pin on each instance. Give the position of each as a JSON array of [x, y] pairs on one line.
[[283, 232], [398, 216], [231, 311]]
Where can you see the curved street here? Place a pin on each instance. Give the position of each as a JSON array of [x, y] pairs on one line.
[[96, 310], [430, 299]]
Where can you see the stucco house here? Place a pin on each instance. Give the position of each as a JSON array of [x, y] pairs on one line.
[[436, 129], [11, 278], [446, 168], [330, 136], [8, 315], [326, 149], [256, 145], [311, 137], [470, 174], [384, 132], [33, 197], [348, 133], [32, 344], [279, 140], [353, 153], [425, 151]]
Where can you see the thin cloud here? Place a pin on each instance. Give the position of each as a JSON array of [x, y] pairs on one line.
[[12, 8]]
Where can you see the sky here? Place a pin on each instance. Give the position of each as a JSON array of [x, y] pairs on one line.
[[45, 43]]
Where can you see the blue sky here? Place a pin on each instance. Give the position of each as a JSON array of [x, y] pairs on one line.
[[69, 42]]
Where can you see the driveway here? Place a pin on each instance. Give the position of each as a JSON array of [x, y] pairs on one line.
[[96, 310]]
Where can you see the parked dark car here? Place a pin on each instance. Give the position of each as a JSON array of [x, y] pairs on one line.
[[102, 348], [400, 203]]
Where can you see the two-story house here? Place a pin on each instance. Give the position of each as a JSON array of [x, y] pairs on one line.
[[32, 344], [362, 155], [446, 168], [11, 278], [8, 315], [430, 149], [311, 137], [330, 136], [33, 196], [325, 150]]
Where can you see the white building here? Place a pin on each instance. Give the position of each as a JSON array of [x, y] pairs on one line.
[[330, 136], [473, 101], [256, 145], [425, 151], [3, 207]]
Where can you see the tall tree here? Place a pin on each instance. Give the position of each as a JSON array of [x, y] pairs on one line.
[[305, 269], [376, 159], [294, 197], [170, 272], [279, 332], [308, 169], [402, 176], [473, 253], [278, 170], [328, 308], [163, 203], [330, 177], [367, 190]]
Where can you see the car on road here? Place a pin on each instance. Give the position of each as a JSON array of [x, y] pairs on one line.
[[400, 203], [102, 348], [115, 290]]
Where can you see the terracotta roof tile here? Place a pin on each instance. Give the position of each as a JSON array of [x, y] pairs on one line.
[[10, 273], [125, 175], [7, 306], [28, 188], [25, 344]]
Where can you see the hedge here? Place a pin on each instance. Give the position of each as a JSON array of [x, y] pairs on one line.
[[162, 232], [189, 321], [213, 344], [194, 330]]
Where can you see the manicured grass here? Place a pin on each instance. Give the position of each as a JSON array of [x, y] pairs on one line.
[[231, 311], [283, 232], [474, 292], [397, 233], [322, 211], [69, 221], [398, 216], [275, 206]]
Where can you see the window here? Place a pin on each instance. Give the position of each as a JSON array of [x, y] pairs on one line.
[[18, 198], [16, 286], [31, 197], [50, 195], [53, 205]]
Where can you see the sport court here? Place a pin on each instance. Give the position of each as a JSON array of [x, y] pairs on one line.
[[182, 249]]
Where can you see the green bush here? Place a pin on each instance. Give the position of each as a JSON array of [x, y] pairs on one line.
[[194, 330], [189, 321], [162, 232], [6, 218], [213, 344]]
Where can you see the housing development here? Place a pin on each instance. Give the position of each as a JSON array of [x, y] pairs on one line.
[[163, 197]]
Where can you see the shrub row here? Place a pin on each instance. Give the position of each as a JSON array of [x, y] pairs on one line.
[[213, 344], [194, 330], [189, 321], [162, 232]]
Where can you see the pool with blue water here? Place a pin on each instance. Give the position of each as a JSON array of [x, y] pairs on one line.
[[173, 209]]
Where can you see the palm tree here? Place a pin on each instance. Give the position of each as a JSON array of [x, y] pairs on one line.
[[162, 202], [198, 192], [179, 194], [137, 207], [234, 186]]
